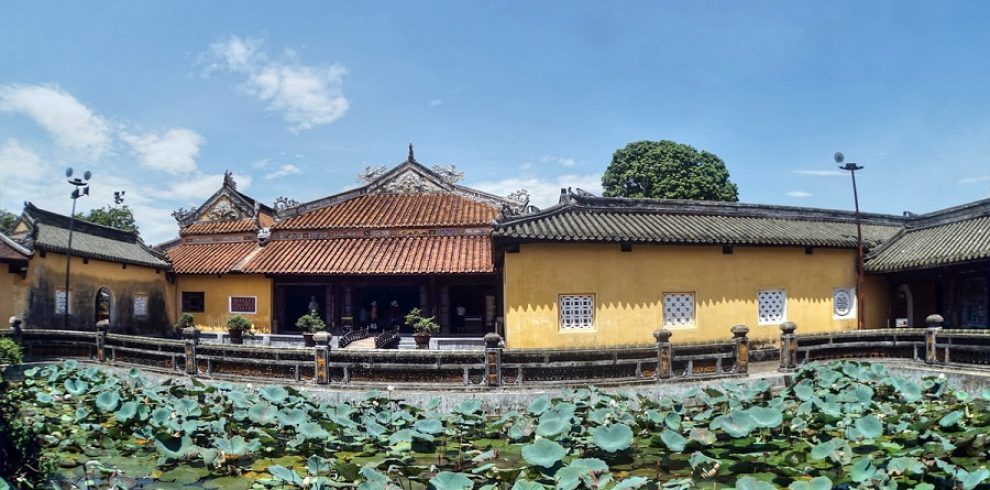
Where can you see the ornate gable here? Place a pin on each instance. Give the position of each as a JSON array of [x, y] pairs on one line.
[[226, 204]]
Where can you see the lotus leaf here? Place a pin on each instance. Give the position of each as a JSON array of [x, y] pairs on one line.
[[447, 480], [750, 483], [188, 408], [429, 426], [262, 413], [673, 440], [184, 475], [631, 483], [229, 483], [817, 483], [835, 449], [905, 465], [293, 416], [591, 471], [862, 470], [672, 421], [44, 398], [274, 394], [704, 437], [805, 390], [75, 386], [736, 423], [468, 407], [951, 419], [543, 452], [550, 427], [237, 446], [539, 405], [612, 438], [312, 430], [174, 448], [522, 484], [127, 412], [283, 474], [870, 427], [766, 417], [374, 429], [108, 401]]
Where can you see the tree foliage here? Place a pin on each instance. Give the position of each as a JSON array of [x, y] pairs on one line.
[[7, 220], [120, 217], [667, 170]]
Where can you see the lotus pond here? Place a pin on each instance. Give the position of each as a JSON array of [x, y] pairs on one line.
[[842, 425]]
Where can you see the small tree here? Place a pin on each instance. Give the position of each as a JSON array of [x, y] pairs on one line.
[[311, 323], [120, 217], [7, 220], [238, 322], [420, 324], [667, 170]]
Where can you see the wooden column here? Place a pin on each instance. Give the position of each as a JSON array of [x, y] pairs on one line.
[[328, 304], [444, 313]]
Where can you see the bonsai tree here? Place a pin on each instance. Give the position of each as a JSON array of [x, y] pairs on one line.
[[239, 323], [422, 325], [310, 323], [185, 321]]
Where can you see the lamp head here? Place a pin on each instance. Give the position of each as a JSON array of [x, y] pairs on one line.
[[68, 171], [839, 157], [87, 175]]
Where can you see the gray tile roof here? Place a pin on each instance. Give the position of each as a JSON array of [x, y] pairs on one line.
[[50, 232], [582, 217], [952, 236]]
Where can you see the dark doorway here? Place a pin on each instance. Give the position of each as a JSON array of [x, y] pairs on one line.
[[387, 304], [467, 309], [104, 305], [297, 304]]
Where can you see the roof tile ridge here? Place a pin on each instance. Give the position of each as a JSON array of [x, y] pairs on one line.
[[239, 266]]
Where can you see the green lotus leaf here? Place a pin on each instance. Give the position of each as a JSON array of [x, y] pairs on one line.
[[262, 413], [108, 401], [468, 407], [316, 465], [951, 419], [237, 446], [750, 483], [654, 416], [736, 423], [550, 427], [173, 448], [188, 408], [282, 474], [598, 415], [905, 465], [612, 438], [834, 449], [870, 427], [702, 436], [70, 364], [447, 480], [76, 387], [521, 430], [700, 459], [862, 470], [539, 405], [543, 452], [209, 455], [522, 484], [673, 440], [969, 480], [816, 483], [909, 390], [570, 477], [127, 412], [293, 416], [274, 394], [766, 417], [805, 390], [672, 421], [312, 430], [429, 426], [81, 414], [631, 483], [184, 475], [229, 483], [404, 435], [44, 398], [374, 429]]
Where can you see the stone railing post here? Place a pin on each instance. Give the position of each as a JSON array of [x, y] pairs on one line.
[[15, 326], [190, 335], [664, 362], [322, 357], [102, 328], [788, 347], [742, 348], [493, 359], [934, 325]]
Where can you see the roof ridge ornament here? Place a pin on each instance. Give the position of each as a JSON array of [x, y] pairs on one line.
[[228, 179], [412, 157]]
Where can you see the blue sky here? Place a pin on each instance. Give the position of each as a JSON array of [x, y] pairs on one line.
[[296, 98]]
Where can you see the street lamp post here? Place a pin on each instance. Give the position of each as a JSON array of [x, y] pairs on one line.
[[860, 294], [81, 188]]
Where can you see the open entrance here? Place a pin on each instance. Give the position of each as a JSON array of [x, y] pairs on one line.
[[385, 307], [104, 305], [299, 300]]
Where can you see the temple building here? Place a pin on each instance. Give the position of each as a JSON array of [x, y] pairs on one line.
[[410, 237]]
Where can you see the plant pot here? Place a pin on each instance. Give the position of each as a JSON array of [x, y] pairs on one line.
[[308, 340], [236, 336], [422, 341]]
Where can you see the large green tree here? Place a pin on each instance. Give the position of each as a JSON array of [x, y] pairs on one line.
[[120, 217], [667, 170], [7, 220]]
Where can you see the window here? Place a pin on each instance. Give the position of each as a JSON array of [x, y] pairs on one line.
[[843, 303], [192, 302], [577, 311], [62, 301], [140, 305], [678, 309], [772, 306], [243, 304]]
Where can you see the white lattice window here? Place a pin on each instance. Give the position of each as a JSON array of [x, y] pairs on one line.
[[772, 305], [243, 304], [577, 311], [678, 309], [140, 305]]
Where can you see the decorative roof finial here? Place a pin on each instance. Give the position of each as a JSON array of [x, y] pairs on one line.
[[411, 157], [228, 179]]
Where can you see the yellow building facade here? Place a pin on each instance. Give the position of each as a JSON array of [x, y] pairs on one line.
[[220, 293]]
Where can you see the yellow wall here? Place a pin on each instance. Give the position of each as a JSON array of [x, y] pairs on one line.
[[218, 289], [13, 295], [47, 274], [629, 287]]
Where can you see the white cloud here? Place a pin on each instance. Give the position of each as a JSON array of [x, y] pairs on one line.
[[306, 95], [197, 189], [974, 180], [820, 173], [799, 194], [436, 102], [19, 163], [173, 151], [543, 192], [73, 125], [282, 171], [562, 161]]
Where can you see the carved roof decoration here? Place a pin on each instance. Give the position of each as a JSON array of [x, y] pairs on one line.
[[226, 204]]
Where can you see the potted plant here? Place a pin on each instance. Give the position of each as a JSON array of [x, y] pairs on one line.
[[236, 326], [423, 327], [310, 324], [185, 320]]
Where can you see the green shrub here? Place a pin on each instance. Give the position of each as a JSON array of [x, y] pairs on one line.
[[238, 322], [421, 324], [10, 352], [185, 320], [311, 323]]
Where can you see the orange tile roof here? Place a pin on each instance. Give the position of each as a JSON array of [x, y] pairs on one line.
[[388, 255], [208, 258], [395, 210], [220, 226]]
